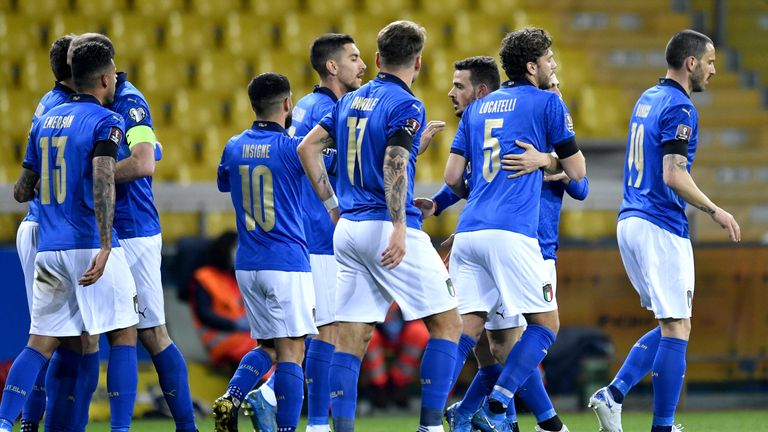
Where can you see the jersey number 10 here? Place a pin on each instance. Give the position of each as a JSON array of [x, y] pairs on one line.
[[59, 171], [635, 155], [258, 197]]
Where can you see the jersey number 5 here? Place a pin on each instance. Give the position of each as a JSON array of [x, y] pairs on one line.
[[491, 149], [59, 171], [258, 197], [635, 156], [354, 146]]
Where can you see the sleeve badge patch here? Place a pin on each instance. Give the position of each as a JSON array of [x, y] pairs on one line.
[[137, 114], [569, 122], [683, 132], [116, 135], [412, 126]]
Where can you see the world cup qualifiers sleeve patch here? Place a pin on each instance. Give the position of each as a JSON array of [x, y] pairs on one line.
[[569, 122], [683, 132], [137, 114], [115, 135], [412, 126]]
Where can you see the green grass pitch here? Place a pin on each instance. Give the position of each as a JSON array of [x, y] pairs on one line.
[[718, 421]]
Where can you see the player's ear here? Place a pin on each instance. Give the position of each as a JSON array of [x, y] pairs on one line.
[[531, 67], [378, 60], [482, 91], [287, 106], [690, 63], [331, 67], [417, 63], [105, 80]]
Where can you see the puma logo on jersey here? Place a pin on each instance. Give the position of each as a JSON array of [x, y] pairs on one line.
[[687, 111]]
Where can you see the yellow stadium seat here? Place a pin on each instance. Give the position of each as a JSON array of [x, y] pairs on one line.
[[89, 10], [46, 8], [196, 112], [468, 39], [153, 9], [133, 35], [603, 112], [439, 27], [363, 28], [390, 9], [295, 39], [19, 35], [189, 35], [218, 9], [36, 72], [274, 10], [241, 113], [16, 109], [245, 39], [296, 68], [223, 73], [9, 72], [65, 24], [444, 8], [177, 225], [499, 7], [176, 145], [329, 9], [217, 223], [161, 74]]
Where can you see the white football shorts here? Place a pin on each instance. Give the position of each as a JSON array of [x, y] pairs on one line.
[[499, 319], [419, 284], [26, 247], [61, 307], [144, 258], [497, 270], [280, 304], [324, 280], [659, 265]]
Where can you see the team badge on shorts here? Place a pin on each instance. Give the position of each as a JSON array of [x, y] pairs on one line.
[[136, 303], [449, 285], [549, 294], [690, 299]]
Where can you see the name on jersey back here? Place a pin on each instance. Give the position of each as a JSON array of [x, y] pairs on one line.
[[364, 104], [58, 122], [498, 106], [256, 151]]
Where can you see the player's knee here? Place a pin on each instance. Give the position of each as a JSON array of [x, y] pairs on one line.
[[126, 336], [676, 328], [445, 325], [155, 339]]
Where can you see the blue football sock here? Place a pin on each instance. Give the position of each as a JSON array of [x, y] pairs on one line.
[[289, 390], [668, 374], [481, 386], [35, 404], [437, 366], [87, 382], [344, 372], [252, 367], [535, 396], [61, 382], [522, 360], [637, 365], [661, 428], [122, 379], [466, 345], [174, 380], [21, 379], [318, 384], [511, 412]]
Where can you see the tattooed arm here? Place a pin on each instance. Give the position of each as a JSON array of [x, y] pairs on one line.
[[395, 191], [677, 177], [24, 189], [311, 155], [104, 207]]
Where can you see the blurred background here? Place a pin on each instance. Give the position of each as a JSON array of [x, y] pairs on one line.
[[192, 59]]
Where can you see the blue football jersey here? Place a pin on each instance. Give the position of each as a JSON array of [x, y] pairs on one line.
[[664, 113], [361, 124], [261, 170], [318, 226], [487, 131], [58, 95], [549, 216], [60, 150], [135, 212]]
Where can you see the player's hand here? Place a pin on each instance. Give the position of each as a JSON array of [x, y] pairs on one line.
[[524, 163], [448, 243], [427, 206], [335, 215], [727, 222], [561, 176], [96, 269], [433, 127], [395, 251]]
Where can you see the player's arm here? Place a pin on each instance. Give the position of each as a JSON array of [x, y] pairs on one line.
[[310, 152], [396, 158], [24, 189], [432, 128], [443, 199], [104, 156], [529, 161], [677, 177], [454, 174], [141, 163], [572, 160]]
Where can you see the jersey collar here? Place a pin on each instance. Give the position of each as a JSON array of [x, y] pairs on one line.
[[62, 88], [269, 126], [83, 97], [326, 91], [121, 77], [672, 83], [387, 77], [517, 83]]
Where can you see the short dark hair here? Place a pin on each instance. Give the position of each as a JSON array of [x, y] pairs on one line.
[[326, 47], [684, 44], [58, 56], [482, 70], [400, 42], [94, 37], [267, 91], [520, 47], [89, 61]]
